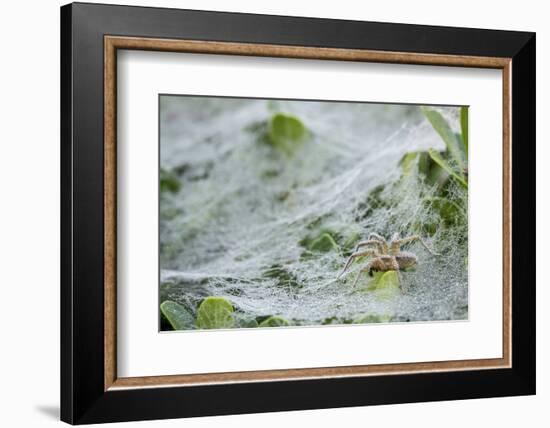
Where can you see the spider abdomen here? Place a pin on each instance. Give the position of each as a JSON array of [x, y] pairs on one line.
[[405, 259]]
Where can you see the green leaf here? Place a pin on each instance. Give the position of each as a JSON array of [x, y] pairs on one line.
[[464, 127], [169, 182], [323, 244], [437, 158], [449, 211], [408, 162], [385, 285], [178, 317], [282, 275], [373, 318], [215, 312], [424, 163], [286, 132], [448, 136], [244, 321], [351, 240], [274, 321]]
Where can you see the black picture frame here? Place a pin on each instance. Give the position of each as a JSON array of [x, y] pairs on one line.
[[83, 396]]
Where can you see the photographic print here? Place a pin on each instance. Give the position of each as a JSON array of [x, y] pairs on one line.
[[291, 213]]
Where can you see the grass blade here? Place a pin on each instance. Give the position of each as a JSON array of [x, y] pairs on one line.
[[441, 126], [464, 127], [436, 157]]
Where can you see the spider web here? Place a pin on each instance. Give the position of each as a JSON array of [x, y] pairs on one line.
[[237, 226]]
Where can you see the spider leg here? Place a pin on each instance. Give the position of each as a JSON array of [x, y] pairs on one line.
[[395, 244], [354, 256], [402, 285], [377, 236], [375, 242], [414, 238], [383, 242], [366, 269]]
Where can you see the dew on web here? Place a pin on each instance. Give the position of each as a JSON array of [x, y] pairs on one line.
[[240, 225]]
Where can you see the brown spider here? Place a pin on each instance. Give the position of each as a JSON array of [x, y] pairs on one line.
[[386, 256]]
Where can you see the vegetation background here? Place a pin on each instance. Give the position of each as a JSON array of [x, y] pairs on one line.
[[262, 202]]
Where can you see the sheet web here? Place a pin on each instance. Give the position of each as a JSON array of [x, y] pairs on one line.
[[240, 225]]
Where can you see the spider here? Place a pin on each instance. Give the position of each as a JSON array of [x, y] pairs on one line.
[[386, 256]]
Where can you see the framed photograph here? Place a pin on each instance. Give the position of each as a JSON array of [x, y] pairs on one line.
[[266, 213]]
